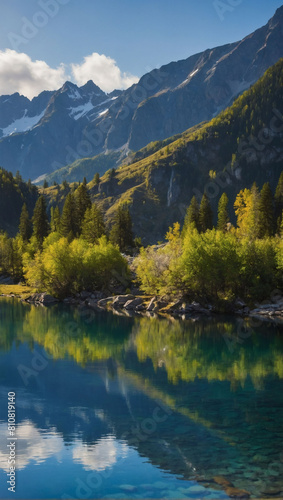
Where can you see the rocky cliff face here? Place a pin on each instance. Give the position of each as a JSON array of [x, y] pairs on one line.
[[58, 128], [207, 84]]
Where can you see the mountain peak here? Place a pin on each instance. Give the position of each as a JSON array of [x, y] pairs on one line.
[[69, 85], [278, 16], [91, 87], [279, 11]]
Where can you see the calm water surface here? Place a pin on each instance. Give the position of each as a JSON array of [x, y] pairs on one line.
[[119, 407]]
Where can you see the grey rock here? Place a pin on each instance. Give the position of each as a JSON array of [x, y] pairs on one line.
[[195, 305], [93, 303], [268, 306], [85, 295], [160, 304], [240, 303], [132, 304], [151, 305], [42, 298], [47, 299], [176, 305], [97, 295], [68, 300], [104, 302], [141, 307], [121, 300]]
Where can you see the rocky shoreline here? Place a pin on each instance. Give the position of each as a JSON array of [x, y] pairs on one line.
[[127, 305], [134, 304]]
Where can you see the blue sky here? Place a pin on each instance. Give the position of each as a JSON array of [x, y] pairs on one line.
[[137, 35]]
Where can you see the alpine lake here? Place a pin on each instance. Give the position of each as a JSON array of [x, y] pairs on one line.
[[110, 406]]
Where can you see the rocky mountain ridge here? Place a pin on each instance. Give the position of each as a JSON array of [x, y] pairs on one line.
[[55, 129]]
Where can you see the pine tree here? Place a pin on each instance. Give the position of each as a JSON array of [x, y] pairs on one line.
[[69, 219], [192, 216], [40, 220], [223, 214], [93, 226], [96, 178], [83, 202], [278, 198], [45, 184], [84, 181], [122, 232], [65, 185], [110, 173], [266, 212], [18, 177], [205, 214], [281, 226], [55, 219], [254, 211], [25, 227]]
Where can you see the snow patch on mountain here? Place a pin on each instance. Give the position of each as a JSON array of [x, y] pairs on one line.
[[74, 94], [193, 73], [103, 112], [189, 77], [80, 111], [22, 124], [85, 109]]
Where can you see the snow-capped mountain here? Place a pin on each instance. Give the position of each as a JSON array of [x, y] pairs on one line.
[[57, 128], [19, 114], [41, 135]]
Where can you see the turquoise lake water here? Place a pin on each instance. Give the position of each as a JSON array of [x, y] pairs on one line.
[[120, 407]]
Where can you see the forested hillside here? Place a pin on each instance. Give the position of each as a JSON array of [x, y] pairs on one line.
[[13, 194], [242, 145]]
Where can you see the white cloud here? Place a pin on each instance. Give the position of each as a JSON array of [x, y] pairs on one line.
[[103, 71], [32, 445], [103, 454], [18, 73]]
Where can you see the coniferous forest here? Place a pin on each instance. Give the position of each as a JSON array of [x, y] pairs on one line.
[[72, 249]]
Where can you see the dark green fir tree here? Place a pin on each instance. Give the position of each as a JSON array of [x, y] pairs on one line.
[[69, 226], [223, 214], [192, 216], [266, 212], [93, 226], [205, 215], [25, 227], [122, 229], [40, 220]]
